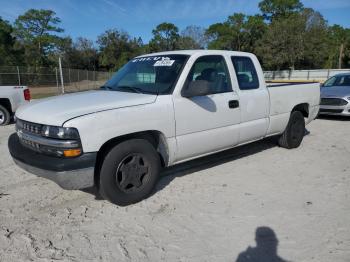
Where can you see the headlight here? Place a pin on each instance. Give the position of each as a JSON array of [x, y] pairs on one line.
[[60, 132], [50, 140], [69, 134]]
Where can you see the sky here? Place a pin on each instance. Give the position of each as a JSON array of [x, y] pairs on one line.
[[90, 18]]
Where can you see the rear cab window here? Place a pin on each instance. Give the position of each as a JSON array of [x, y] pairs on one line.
[[246, 74]]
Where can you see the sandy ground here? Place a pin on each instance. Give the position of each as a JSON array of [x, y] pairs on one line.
[[206, 210]]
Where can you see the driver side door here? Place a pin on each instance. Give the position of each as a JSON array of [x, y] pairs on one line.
[[205, 124]]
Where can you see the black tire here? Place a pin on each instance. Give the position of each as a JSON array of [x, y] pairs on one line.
[[294, 133], [125, 166], [5, 116]]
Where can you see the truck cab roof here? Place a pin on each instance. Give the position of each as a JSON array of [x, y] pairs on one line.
[[199, 52]]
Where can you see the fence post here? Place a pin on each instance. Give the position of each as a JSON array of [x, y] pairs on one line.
[[308, 74], [61, 74], [19, 76], [87, 78], [94, 75], [328, 73], [57, 80], [70, 82]]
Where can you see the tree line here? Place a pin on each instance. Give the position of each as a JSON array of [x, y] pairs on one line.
[[284, 35]]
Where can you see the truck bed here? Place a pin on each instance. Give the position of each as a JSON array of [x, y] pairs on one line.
[[283, 98]]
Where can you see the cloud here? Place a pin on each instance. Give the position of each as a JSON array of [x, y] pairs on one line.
[[327, 4], [114, 4], [156, 10]]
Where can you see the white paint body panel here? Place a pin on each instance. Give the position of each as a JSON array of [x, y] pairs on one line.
[[57, 110], [96, 129], [14, 94], [190, 127]]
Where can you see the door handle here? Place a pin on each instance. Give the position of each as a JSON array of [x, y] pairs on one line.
[[233, 104]]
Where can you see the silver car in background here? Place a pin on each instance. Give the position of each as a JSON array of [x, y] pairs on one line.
[[335, 95]]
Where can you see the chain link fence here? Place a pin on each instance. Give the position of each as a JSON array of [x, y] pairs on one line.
[[44, 81], [319, 75]]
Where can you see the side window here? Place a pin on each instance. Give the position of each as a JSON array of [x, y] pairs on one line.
[[212, 69], [245, 72]]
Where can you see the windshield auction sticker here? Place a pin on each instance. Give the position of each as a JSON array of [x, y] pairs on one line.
[[164, 62], [160, 60]]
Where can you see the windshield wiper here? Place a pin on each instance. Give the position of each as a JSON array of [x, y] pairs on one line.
[[106, 87], [133, 89]]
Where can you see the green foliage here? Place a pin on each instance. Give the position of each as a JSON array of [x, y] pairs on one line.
[[8, 53], [187, 43], [197, 34], [36, 32], [116, 48], [281, 47], [81, 54], [239, 32], [165, 38], [279, 8], [316, 44], [339, 40]]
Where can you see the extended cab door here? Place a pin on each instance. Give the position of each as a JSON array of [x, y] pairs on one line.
[[254, 98], [209, 123]]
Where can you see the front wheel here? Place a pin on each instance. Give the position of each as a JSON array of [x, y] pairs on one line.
[[129, 172], [4, 116], [294, 133]]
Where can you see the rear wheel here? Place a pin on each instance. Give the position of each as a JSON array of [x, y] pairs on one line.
[[294, 133], [4, 116], [129, 172]]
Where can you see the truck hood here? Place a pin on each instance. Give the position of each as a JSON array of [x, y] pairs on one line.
[[57, 110], [335, 91]]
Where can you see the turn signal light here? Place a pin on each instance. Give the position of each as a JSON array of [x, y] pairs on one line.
[[72, 152]]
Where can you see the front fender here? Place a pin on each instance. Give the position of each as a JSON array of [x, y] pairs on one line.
[[98, 128]]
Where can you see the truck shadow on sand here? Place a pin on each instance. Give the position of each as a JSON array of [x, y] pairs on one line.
[[179, 170], [265, 249], [210, 161], [199, 164]]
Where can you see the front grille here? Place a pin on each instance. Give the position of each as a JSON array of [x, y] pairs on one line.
[[334, 111], [333, 102], [25, 127], [30, 144], [29, 127]]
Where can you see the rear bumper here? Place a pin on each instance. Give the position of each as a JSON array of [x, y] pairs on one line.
[[68, 173]]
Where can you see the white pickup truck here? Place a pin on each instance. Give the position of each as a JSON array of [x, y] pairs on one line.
[[158, 110], [11, 97]]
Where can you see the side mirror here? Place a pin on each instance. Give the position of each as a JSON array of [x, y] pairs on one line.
[[197, 88]]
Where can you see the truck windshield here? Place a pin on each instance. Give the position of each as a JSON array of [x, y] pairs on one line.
[[148, 75]]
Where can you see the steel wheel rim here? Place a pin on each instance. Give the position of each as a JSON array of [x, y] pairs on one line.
[[133, 173], [2, 117]]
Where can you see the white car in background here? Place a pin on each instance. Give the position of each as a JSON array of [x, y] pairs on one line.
[[335, 95], [156, 111], [11, 98]]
